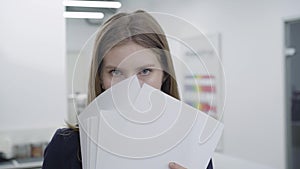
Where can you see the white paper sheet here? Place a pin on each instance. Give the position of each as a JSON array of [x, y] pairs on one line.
[[142, 127]]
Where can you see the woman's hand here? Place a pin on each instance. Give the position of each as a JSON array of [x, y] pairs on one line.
[[173, 165]]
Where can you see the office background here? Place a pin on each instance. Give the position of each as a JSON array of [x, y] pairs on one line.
[[33, 69]]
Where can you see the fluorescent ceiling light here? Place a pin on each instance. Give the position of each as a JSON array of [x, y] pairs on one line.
[[86, 15], [92, 4]]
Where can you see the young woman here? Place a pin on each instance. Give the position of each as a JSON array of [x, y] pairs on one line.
[[127, 44]]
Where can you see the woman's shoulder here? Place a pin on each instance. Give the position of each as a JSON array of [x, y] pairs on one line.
[[63, 150], [66, 133], [64, 139], [66, 136]]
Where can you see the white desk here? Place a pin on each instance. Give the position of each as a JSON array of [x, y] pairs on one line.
[[221, 161]]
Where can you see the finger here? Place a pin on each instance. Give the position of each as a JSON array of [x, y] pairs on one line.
[[174, 165]]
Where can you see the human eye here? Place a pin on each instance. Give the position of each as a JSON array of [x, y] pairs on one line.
[[145, 72], [115, 72]]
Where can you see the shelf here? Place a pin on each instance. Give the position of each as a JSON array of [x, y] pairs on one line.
[[22, 163]]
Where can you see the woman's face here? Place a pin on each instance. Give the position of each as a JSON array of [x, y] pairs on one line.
[[131, 59]]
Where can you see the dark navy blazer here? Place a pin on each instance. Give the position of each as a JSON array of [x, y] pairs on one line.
[[63, 151]]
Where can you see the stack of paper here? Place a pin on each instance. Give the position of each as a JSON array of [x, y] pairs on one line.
[[133, 127]]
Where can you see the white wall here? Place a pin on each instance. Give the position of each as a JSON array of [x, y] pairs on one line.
[[79, 46], [32, 65], [252, 51]]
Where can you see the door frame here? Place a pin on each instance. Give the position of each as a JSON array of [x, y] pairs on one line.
[[287, 103]]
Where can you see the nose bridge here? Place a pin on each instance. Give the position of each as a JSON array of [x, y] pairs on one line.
[[130, 73]]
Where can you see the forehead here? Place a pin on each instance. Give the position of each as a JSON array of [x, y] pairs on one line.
[[130, 54]]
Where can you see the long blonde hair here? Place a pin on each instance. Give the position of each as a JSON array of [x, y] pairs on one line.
[[141, 28]]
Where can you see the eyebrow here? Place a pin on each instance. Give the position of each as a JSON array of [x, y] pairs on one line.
[[138, 68], [145, 66], [110, 67]]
